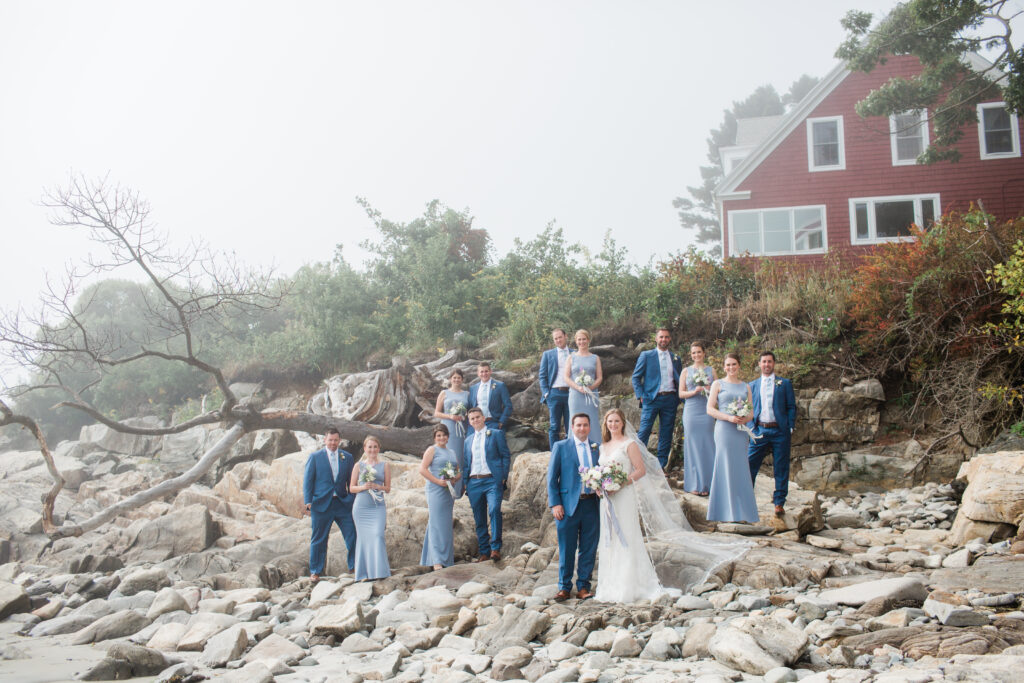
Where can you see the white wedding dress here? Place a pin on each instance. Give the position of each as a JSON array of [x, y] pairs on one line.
[[685, 558], [625, 572]]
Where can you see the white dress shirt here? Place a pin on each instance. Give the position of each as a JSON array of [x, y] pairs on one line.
[[483, 397], [767, 398], [560, 383], [583, 456], [479, 465], [667, 379]]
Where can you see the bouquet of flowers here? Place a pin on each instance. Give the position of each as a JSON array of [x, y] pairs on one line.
[[459, 410], [368, 475], [701, 378], [585, 380], [741, 407], [448, 473], [602, 480]]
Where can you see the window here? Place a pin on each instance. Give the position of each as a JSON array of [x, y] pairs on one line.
[[909, 136], [796, 230], [888, 219], [825, 150], [998, 131]]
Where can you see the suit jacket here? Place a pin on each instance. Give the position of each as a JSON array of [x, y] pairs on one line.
[[783, 402], [647, 374], [499, 403], [318, 484], [564, 482], [548, 372], [496, 453]]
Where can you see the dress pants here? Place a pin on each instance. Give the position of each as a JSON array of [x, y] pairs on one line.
[[580, 530], [337, 513], [664, 409], [485, 500], [777, 440], [558, 416]]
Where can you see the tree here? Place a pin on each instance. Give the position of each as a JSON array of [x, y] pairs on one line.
[[941, 34], [191, 295], [698, 211]]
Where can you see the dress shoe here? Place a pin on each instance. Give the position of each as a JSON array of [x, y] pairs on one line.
[[313, 578], [562, 595], [496, 555], [584, 593], [779, 511], [483, 558]]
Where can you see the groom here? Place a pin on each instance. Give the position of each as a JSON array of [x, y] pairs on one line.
[[576, 509], [774, 417], [656, 386]]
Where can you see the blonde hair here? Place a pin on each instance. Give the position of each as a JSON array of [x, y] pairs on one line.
[[372, 438], [583, 332], [606, 435]]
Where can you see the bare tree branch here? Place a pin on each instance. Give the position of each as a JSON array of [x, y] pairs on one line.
[[8, 416]]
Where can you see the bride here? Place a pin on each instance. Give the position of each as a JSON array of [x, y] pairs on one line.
[[625, 571]]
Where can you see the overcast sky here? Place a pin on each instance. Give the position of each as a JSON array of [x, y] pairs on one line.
[[255, 125]]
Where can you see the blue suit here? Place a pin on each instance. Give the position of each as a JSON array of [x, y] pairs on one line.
[[557, 400], [775, 438], [485, 494], [330, 503], [581, 525], [499, 404], [646, 382]]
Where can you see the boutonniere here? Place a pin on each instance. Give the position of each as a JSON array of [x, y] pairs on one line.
[[593, 445], [778, 382], [487, 433]]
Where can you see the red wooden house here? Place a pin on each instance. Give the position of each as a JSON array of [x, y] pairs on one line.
[[821, 179]]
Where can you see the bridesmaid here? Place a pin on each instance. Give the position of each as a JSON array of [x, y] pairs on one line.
[[579, 362], [446, 401], [438, 542], [732, 490], [369, 512], [698, 426]]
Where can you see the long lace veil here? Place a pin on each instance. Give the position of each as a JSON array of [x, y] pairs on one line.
[[682, 557]]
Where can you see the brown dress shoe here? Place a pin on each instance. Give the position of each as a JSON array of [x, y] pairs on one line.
[[314, 578], [562, 595], [584, 593], [483, 558], [779, 511], [496, 555]]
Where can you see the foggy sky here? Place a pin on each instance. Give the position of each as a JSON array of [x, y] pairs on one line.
[[255, 125]]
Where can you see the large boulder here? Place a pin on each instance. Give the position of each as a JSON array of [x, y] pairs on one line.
[[994, 495], [104, 438], [13, 599], [180, 531]]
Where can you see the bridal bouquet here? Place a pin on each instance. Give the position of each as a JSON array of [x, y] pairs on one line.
[[585, 380], [448, 473], [741, 407], [602, 480], [369, 476], [459, 410]]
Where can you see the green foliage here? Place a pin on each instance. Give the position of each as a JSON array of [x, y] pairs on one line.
[[940, 34], [1009, 329], [697, 212]]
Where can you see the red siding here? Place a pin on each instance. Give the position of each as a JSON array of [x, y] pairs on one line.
[[783, 179]]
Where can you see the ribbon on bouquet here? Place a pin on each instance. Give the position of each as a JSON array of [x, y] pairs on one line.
[[451, 489], [460, 431], [749, 431], [377, 496], [614, 521], [589, 397]]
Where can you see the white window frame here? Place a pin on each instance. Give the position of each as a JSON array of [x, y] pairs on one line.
[[791, 209], [1014, 132], [893, 130], [841, 166], [872, 230]]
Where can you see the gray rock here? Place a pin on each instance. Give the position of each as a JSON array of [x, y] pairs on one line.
[[176, 673], [381, 667], [600, 640], [782, 674], [357, 643], [167, 636], [180, 531], [253, 672], [659, 650], [697, 639], [563, 675], [202, 627], [116, 625], [101, 437], [143, 660], [338, 620], [144, 580], [693, 602], [275, 648], [324, 591], [738, 650], [559, 650], [508, 663], [625, 645], [167, 600], [898, 590], [226, 646], [953, 615], [473, 664], [13, 599], [868, 388], [62, 625], [758, 644]]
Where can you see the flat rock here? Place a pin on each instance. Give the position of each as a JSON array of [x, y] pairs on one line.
[[988, 574], [167, 637], [738, 650], [901, 589], [143, 580], [275, 648], [13, 599], [508, 663], [324, 591], [226, 646], [117, 625], [338, 620], [253, 672]]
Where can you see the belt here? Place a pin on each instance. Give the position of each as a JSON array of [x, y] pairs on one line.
[[769, 425], [480, 476], [585, 496], [665, 393], [563, 389]]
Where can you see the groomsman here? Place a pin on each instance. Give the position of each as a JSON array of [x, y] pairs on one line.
[[773, 420], [656, 386], [491, 397], [554, 390], [328, 501], [486, 460], [576, 510]]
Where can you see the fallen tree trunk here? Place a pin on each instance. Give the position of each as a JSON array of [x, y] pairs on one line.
[[402, 440]]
